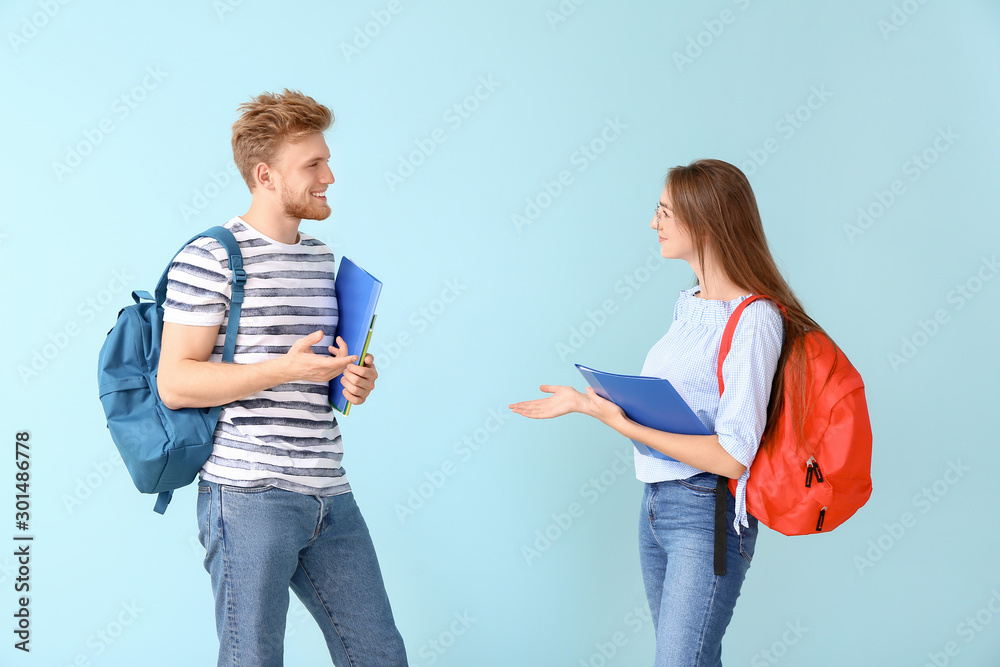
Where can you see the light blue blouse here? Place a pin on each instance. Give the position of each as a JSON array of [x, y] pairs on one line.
[[687, 356]]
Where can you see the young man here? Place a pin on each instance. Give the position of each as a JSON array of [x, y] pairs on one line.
[[274, 506]]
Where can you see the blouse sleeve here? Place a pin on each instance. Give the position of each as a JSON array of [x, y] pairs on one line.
[[747, 374]]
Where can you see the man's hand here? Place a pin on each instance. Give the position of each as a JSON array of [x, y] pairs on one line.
[[304, 364], [186, 379], [359, 381]]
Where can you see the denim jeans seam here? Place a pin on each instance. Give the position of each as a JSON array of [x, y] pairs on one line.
[[742, 550], [248, 490], [705, 622], [227, 587], [328, 614], [652, 514], [323, 511]]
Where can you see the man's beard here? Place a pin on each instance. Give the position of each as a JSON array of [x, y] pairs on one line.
[[294, 207]]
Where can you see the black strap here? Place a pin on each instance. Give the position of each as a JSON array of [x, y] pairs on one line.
[[721, 491]]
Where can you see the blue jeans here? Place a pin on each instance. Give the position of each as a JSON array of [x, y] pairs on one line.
[[261, 542], [690, 605]]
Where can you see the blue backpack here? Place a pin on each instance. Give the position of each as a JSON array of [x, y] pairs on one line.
[[163, 449]]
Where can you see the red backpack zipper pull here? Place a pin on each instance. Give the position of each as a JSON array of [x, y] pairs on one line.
[[812, 469], [819, 524]]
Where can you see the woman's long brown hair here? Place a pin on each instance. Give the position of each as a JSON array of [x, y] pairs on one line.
[[713, 199]]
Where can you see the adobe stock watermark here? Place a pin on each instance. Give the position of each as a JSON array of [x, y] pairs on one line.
[[419, 321], [435, 648], [94, 478], [217, 182], [581, 159], [102, 639], [595, 319], [912, 169], [633, 623], [298, 618], [923, 501], [121, 108], [562, 12], [590, 491], [454, 117], [786, 126], [32, 24], [8, 570], [959, 296], [899, 16], [773, 654], [325, 235], [370, 30], [224, 7], [701, 41], [86, 312], [463, 450], [971, 627]]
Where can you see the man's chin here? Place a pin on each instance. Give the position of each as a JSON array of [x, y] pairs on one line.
[[321, 212], [321, 215]]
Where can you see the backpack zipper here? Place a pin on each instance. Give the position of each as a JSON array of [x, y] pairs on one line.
[[819, 524], [812, 469]]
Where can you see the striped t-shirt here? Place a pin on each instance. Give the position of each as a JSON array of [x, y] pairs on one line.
[[285, 436], [687, 356]]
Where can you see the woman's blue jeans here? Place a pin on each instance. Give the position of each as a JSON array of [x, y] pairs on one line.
[[261, 542], [690, 605]]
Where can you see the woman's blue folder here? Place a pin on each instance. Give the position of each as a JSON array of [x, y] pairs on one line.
[[357, 295], [649, 401]]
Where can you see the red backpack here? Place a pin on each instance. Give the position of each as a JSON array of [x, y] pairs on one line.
[[813, 484]]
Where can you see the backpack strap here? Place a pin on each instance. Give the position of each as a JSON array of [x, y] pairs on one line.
[[229, 242], [727, 335], [721, 487]]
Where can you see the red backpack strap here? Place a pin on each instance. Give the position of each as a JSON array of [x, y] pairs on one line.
[[721, 488], [722, 485], [727, 334]]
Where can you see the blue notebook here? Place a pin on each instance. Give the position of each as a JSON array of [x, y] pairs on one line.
[[649, 401], [357, 295]]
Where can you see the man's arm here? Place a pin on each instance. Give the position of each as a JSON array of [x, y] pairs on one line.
[[186, 379]]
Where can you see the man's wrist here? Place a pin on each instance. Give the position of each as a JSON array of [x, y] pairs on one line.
[[277, 371]]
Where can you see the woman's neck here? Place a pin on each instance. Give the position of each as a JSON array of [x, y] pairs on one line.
[[715, 284]]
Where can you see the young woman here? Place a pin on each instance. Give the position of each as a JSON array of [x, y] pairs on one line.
[[707, 216]]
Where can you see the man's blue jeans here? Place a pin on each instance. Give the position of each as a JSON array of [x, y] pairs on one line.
[[261, 542], [690, 605]]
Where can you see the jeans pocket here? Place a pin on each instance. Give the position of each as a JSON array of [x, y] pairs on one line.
[[246, 490], [744, 552], [204, 515], [748, 539], [701, 485]]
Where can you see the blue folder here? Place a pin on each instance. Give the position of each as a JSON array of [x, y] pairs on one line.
[[357, 295], [649, 401]]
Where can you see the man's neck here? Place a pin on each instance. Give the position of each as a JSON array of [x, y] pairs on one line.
[[273, 225]]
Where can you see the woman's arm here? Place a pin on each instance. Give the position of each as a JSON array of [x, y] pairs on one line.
[[699, 451]]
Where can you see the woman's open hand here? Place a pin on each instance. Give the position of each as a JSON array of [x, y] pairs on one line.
[[563, 401]]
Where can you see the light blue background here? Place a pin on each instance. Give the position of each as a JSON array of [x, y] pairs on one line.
[[874, 592]]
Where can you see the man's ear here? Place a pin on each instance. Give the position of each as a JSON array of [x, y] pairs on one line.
[[263, 176]]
